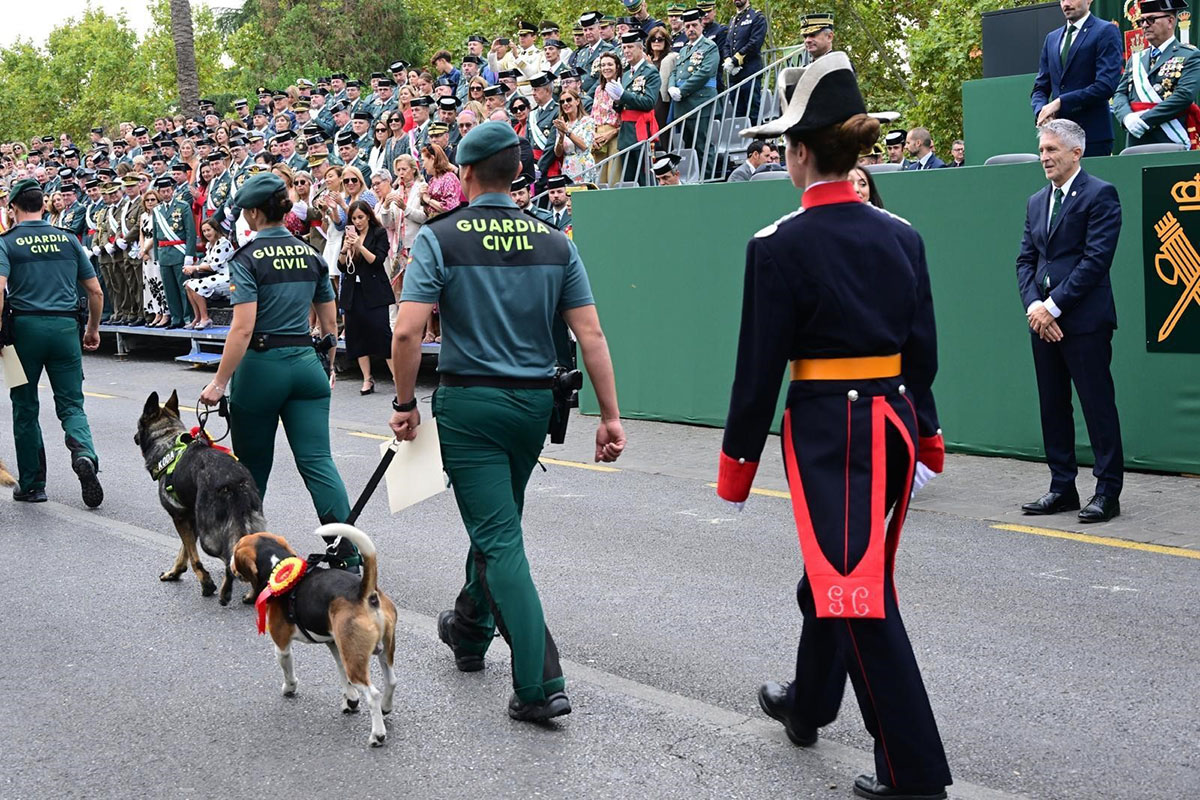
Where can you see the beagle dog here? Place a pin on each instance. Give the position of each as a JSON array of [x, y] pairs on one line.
[[332, 607]]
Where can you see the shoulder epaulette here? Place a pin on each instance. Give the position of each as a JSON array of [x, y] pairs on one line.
[[774, 226]]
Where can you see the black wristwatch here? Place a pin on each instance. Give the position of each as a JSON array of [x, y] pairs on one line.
[[402, 407]]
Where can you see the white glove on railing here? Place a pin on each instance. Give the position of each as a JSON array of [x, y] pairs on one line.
[[1134, 124], [675, 94], [614, 89]]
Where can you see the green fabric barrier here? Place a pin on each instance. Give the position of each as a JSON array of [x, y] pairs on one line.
[[666, 266]]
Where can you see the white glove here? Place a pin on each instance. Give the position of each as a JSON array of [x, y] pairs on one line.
[[675, 94], [921, 476], [108, 248], [121, 243], [1134, 124], [728, 65], [96, 250], [614, 89], [135, 252], [188, 261]]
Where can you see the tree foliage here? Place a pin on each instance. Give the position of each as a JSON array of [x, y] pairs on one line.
[[911, 55]]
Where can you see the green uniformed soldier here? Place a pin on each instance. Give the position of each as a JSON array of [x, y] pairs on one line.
[[1155, 100], [276, 375], [40, 266], [693, 81], [635, 98], [74, 214], [105, 249], [130, 211], [174, 247], [493, 407]]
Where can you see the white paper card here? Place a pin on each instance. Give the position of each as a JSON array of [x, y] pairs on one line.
[[14, 373], [415, 473]]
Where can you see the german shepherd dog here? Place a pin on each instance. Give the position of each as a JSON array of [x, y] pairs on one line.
[[210, 496]]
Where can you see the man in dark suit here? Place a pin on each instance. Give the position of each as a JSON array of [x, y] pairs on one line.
[[919, 144], [1071, 231], [1078, 73]]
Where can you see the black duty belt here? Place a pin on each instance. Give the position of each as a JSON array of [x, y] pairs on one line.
[[20, 312], [269, 341], [496, 381]]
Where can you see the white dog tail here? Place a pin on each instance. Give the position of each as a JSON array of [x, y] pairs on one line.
[[366, 549]]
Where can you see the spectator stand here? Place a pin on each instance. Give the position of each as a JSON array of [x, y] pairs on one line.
[[709, 152], [206, 345]]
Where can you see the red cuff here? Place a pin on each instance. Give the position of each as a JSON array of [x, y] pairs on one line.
[[734, 477], [931, 451]]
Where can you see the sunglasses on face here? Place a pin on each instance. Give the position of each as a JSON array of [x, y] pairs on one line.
[[476, 88], [519, 109], [350, 180], [1145, 21], [465, 126]]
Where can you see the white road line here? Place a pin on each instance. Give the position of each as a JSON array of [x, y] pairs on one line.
[[847, 759]]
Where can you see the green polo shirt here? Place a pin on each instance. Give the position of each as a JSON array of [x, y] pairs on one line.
[[284, 276], [499, 277], [43, 265]]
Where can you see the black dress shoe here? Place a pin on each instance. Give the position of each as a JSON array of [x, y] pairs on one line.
[[870, 787], [93, 493], [31, 496], [136, 323], [173, 326], [556, 705], [1053, 502], [467, 662], [1101, 508], [772, 699]]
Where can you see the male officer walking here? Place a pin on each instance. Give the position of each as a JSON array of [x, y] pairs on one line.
[[40, 266], [493, 406]]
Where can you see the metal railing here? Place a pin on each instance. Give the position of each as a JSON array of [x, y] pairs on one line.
[[706, 137]]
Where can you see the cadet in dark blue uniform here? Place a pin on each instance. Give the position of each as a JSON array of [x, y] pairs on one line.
[[276, 375], [501, 279], [855, 319], [41, 267]]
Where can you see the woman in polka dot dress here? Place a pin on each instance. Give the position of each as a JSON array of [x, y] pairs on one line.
[[209, 278]]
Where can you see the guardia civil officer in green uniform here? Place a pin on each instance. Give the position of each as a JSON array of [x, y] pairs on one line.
[[269, 357], [41, 266], [493, 406]]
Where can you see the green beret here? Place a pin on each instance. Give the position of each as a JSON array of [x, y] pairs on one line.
[[258, 189], [485, 140], [25, 184]]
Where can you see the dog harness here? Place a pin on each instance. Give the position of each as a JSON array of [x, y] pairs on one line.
[[170, 461]]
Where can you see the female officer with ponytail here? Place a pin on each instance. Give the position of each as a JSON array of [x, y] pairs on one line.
[[854, 316], [269, 364]]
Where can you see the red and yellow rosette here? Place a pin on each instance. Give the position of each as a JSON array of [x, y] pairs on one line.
[[284, 577]]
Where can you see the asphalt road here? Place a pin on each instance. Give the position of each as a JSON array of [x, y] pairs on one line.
[[1056, 668]]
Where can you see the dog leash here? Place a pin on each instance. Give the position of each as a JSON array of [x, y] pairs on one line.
[[202, 414], [373, 483]]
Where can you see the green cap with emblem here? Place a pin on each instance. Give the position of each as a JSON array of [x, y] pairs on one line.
[[485, 140], [25, 184], [257, 190]]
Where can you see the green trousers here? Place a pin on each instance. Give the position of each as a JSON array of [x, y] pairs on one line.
[[52, 344], [177, 302], [287, 385], [491, 439]]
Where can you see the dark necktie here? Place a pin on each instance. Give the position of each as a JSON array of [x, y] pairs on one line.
[[1055, 207], [1066, 47]]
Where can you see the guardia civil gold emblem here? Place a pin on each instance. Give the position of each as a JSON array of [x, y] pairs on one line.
[[1172, 273]]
